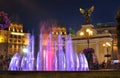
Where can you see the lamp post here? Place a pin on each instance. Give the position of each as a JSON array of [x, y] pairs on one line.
[[87, 33], [107, 45], [25, 50], [23, 54]]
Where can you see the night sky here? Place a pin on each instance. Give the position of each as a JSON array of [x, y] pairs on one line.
[[32, 12]]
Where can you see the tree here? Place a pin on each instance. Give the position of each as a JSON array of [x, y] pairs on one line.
[[118, 30], [4, 21], [15, 19], [89, 55]]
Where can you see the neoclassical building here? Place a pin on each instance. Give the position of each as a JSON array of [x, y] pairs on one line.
[[112, 30], [89, 37], [102, 39]]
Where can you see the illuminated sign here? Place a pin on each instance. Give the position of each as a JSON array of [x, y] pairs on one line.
[[14, 33]]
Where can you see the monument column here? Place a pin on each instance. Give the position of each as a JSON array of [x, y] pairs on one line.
[[86, 32]]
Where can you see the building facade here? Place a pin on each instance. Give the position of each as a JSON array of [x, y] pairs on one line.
[[112, 30], [97, 41], [13, 39], [103, 40]]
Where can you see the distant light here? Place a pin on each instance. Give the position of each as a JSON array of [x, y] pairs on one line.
[[1, 39], [56, 33], [91, 32], [104, 45], [25, 50], [99, 24], [52, 32], [81, 33], [88, 30], [107, 44], [115, 61], [14, 33], [61, 33], [64, 32]]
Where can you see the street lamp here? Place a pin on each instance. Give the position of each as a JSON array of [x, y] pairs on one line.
[[107, 45], [25, 51], [87, 33]]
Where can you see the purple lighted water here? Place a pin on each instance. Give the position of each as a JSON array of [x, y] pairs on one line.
[[55, 54]]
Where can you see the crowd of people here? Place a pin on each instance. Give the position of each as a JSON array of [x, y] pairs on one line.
[[4, 63], [107, 65]]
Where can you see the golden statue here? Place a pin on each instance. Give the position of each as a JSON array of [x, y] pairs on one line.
[[87, 14]]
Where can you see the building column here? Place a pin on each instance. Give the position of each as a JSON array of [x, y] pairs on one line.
[[97, 50]]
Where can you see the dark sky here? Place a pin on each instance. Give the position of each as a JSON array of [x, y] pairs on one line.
[[32, 12]]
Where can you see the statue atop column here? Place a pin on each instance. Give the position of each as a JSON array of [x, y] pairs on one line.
[[87, 14]]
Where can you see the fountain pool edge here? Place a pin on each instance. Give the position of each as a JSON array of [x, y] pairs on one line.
[[60, 74]]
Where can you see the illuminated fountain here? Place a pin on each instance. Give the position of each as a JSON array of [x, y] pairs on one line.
[[15, 62], [55, 54], [25, 60]]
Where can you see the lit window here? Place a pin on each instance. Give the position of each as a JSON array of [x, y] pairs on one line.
[[61, 33], [56, 33], [64, 32], [9, 29], [13, 29], [17, 30], [21, 30], [52, 32]]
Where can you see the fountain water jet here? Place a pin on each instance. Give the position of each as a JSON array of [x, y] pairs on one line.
[[24, 61], [15, 62], [55, 54]]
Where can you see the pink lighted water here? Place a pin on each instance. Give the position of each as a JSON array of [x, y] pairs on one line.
[[55, 54]]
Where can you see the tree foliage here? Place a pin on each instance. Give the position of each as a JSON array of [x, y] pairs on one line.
[[118, 29]]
